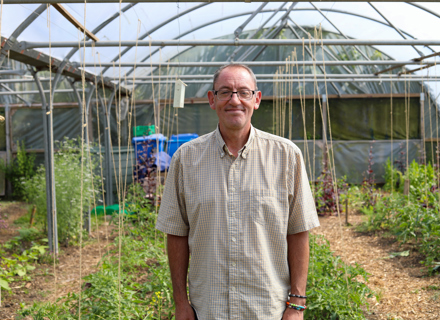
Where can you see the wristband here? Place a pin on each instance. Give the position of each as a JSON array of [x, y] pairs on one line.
[[295, 306], [297, 296]]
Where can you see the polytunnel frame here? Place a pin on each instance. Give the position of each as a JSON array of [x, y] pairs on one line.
[[47, 108]]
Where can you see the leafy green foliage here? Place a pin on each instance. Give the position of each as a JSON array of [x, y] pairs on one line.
[[19, 255], [333, 288], [69, 183], [22, 168], [414, 217], [142, 288]]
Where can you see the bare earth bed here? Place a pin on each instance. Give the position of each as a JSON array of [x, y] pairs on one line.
[[49, 281], [405, 289]]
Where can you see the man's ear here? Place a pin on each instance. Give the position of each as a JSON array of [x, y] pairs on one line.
[[257, 100], [211, 98]]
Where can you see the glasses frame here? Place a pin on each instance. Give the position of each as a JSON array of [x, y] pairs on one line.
[[238, 95]]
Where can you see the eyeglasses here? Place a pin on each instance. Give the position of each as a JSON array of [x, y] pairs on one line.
[[225, 95]]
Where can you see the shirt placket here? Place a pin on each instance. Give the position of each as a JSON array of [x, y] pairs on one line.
[[234, 241]]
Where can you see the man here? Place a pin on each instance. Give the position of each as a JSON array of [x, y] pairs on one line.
[[238, 201]]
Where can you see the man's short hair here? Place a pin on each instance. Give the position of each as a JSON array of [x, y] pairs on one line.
[[234, 65]]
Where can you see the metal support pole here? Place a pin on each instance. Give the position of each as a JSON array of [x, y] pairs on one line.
[[324, 130], [226, 42], [251, 64], [85, 127], [108, 150], [239, 30], [8, 141], [12, 38], [422, 125], [47, 112]]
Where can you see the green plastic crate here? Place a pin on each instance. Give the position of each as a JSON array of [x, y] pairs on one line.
[[140, 131], [109, 210]]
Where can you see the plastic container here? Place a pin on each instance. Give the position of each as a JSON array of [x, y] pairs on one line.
[[144, 145], [141, 131], [177, 140], [109, 210]]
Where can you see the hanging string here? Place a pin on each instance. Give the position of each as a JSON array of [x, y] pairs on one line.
[[83, 122], [54, 239], [274, 102], [156, 123], [303, 112], [332, 159], [392, 132], [100, 152], [121, 209]]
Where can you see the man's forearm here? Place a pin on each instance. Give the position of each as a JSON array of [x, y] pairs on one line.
[[178, 257], [298, 256]]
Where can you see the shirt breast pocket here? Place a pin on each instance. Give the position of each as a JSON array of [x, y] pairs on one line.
[[267, 207]]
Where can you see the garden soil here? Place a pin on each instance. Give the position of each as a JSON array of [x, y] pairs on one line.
[[404, 288], [49, 283]]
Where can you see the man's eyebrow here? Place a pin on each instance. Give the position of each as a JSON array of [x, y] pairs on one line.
[[229, 88]]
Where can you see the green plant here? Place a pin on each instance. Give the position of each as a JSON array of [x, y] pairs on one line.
[[408, 220], [393, 177], [21, 168], [333, 289], [75, 188], [15, 266]]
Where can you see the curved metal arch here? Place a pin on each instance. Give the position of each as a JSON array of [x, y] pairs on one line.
[[97, 29], [263, 11], [13, 37], [146, 34], [424, 9]]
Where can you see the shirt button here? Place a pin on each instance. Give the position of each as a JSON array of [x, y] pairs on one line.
[[233, 239], [233, 264], [236, 165], [233, 289], [233, 214], [233, 189]]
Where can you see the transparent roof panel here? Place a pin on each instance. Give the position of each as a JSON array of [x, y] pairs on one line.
[[186, 21]]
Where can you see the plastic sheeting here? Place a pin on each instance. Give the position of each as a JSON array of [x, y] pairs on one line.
[[370, 119], [351, 157], [27, 126]]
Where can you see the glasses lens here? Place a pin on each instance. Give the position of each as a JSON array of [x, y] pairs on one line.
[[245, 94], [224, 95]]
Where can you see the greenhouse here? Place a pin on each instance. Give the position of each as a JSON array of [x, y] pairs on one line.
[[96, 97]]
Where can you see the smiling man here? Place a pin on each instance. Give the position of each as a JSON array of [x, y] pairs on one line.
[[238, 202]]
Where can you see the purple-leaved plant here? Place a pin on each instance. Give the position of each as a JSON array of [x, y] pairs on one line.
[[369, 181]]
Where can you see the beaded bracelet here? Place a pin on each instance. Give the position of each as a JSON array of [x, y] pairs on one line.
[[297, 296], [295, 306]]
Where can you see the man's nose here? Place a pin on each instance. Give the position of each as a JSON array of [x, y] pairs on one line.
[[234, 98]]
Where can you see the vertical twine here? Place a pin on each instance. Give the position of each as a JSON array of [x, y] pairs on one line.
[[332, 159]]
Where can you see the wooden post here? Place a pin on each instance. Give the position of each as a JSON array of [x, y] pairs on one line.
[[406, 187], [346, 211], [31, 222]]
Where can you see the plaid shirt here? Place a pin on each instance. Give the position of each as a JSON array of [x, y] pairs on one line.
[[237, 213]]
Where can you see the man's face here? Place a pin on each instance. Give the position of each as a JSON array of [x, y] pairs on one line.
[[234, 114]]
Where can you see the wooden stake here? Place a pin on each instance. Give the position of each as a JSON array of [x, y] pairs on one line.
[[406, 187], [34, 209], [346, 211]]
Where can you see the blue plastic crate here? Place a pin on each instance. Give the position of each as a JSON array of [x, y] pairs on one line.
[[177, 140], [144, 145]]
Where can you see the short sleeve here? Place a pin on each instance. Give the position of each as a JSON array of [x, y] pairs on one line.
[[172, 218], [302, 210]]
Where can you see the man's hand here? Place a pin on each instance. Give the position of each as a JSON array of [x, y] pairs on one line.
[[292, 314], [185, 312]]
